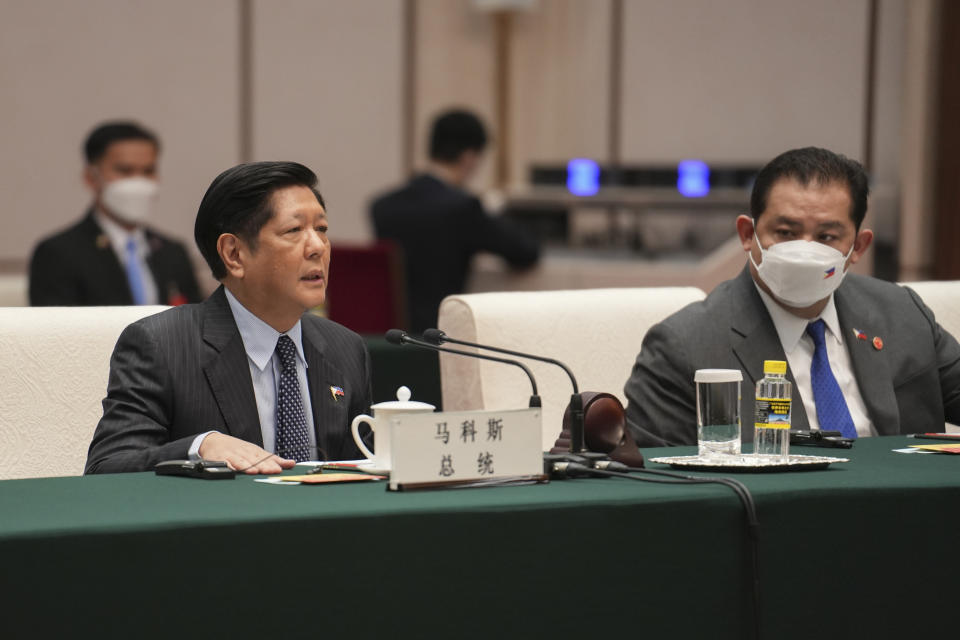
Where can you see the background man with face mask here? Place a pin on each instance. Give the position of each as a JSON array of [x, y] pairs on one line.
[[110, 257], [866, 357]]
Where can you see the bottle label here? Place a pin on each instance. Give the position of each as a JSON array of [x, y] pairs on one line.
[[772, 413]]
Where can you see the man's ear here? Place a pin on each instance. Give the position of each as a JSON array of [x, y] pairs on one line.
[[745, 231], [231, 251], [861, 244], [468, 163], [91, 177]]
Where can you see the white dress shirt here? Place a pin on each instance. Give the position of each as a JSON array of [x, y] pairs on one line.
[[799, 347], [119, 237], [260, 343]]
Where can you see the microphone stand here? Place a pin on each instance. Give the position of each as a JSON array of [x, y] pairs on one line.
[[438, 337], [398, 337]]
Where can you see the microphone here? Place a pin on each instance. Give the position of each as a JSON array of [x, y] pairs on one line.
[[438, 337], [399, 337]]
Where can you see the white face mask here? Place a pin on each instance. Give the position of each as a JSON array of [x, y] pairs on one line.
[[130, 199], [799, 272]]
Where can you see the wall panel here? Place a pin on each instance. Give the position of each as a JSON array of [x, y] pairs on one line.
[[65, 66], [326, 86], [561, 86], [454, 67], [742, 80]]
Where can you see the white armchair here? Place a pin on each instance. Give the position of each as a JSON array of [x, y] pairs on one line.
[[943, 298], [54, 363], [596, 332]]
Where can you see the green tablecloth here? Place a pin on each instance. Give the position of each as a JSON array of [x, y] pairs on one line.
[[860, 550]]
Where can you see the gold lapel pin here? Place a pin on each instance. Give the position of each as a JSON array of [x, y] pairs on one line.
[[877, 343]]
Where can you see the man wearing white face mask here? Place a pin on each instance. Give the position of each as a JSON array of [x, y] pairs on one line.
[[866, 357], [110, 257]]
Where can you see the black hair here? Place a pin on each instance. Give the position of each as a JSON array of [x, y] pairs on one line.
[[813, 164], [453, 133], [107, 133], [238, 202]]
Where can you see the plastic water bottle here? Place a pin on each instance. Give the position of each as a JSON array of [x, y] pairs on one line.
[[771, 434]]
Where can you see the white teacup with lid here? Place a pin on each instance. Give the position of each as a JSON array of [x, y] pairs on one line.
[[382, 413]]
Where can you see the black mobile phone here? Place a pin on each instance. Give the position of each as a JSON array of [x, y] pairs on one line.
[[815, 438], [206, 469]]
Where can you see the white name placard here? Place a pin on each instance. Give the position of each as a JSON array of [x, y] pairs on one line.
[[461, 446]]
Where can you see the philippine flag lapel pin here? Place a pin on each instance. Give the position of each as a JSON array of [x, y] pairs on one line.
[[337, 393], [859, 335]]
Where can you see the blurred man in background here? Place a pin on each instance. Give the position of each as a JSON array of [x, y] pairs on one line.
[[110, 257], [440, 226]]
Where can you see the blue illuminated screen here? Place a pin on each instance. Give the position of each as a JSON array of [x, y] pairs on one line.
[[583, 177], [693, 178]]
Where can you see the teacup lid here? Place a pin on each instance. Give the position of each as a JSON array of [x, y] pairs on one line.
[[403, 402]]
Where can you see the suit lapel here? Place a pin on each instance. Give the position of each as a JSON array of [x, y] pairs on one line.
[[104, 261], [755, 339], [158, 268], [870, 366], [321, 378], [227, 371]]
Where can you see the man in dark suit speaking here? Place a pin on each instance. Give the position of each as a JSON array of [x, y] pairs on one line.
[[865, 357], [246, 373], [110, 257], [440, 226]]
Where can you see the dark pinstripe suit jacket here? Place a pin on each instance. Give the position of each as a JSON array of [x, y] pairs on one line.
[[184, 371]]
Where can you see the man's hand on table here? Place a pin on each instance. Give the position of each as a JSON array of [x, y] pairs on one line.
[[242, 455]]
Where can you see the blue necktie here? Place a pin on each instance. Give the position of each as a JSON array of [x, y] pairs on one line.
[[832, 411], [134, 275], [293, 440]]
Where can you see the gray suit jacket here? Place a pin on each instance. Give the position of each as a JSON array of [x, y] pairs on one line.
[[184, 371], [910, 385]]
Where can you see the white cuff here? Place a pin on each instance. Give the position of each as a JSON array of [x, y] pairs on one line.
[[194, 452]]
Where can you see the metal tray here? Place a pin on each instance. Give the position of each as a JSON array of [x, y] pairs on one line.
[[749, 463]]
